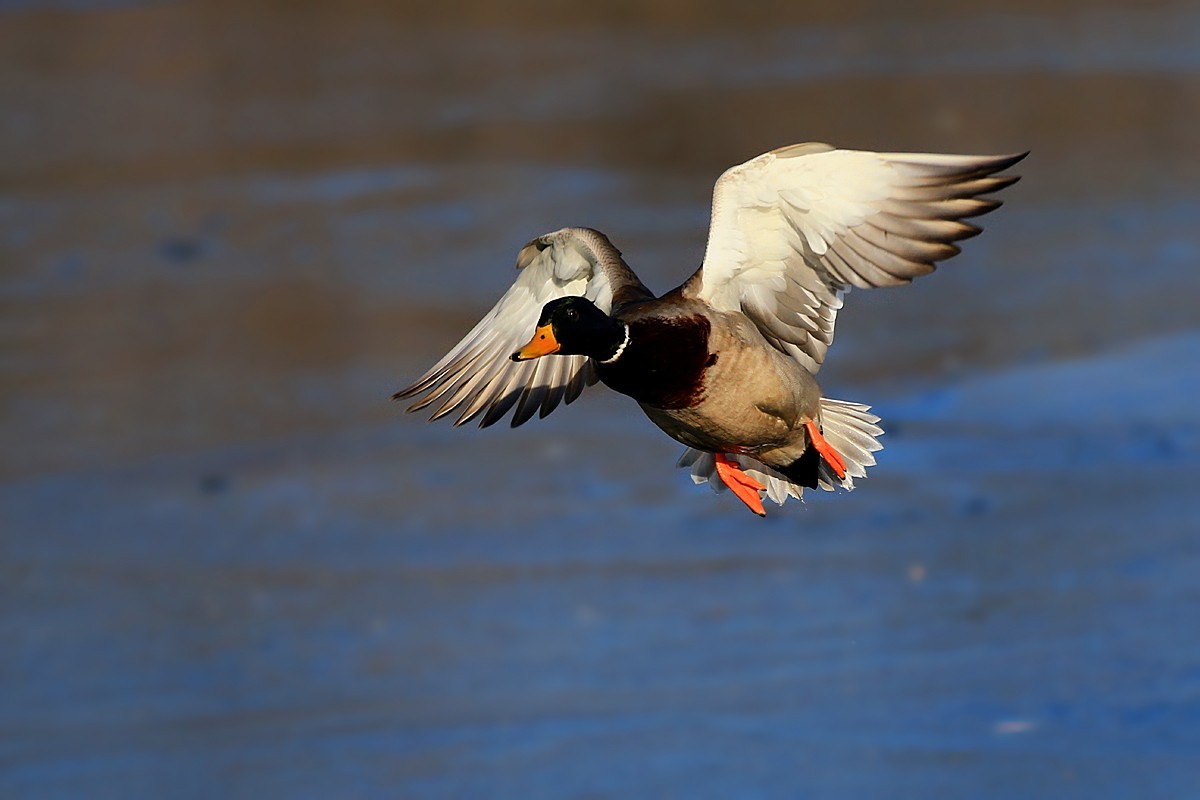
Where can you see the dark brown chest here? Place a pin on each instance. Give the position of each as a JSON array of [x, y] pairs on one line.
[[664, 363]]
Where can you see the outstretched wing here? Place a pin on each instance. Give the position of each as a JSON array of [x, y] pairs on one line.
[[794, 228], [478, 377]]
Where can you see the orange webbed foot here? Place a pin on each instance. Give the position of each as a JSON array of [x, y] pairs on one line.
[[742, 485], [831, 456]]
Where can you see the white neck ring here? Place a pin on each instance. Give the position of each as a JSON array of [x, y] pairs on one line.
[[620, 349]]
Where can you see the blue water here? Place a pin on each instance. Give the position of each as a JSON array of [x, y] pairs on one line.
[[229, 565]]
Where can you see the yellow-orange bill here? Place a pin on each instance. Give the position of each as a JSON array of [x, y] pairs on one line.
[[543, 343]]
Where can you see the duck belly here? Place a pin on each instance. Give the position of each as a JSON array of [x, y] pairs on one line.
[[753, 402]]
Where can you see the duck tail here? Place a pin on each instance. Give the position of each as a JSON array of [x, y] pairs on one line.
[[853, 431], [849, 428]]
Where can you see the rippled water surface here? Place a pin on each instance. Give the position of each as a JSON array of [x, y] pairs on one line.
[[229, 566]]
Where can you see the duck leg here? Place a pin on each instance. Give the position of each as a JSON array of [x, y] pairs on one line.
[[831, 456], [745, 487]]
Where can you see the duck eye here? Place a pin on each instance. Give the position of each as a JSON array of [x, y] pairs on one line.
[[572, 314]]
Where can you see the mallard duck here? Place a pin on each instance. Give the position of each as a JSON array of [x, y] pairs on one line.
[[726, 363]]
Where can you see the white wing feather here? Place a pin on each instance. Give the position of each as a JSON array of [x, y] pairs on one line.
[[477, 375], [794, 228]]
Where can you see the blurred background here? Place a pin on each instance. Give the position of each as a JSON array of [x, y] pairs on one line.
[[231, 567]]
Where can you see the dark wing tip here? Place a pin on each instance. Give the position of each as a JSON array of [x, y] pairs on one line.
[[1007, 160], [1005, 163], [414, 389]]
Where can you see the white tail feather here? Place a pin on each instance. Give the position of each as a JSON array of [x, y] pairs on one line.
[[849, 428]]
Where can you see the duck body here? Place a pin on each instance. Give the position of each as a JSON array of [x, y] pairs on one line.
[[710, 381]]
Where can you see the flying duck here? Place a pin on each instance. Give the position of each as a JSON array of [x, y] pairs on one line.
[[726, 362]]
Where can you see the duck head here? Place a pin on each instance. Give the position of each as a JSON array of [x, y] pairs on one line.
[[573, 326]]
